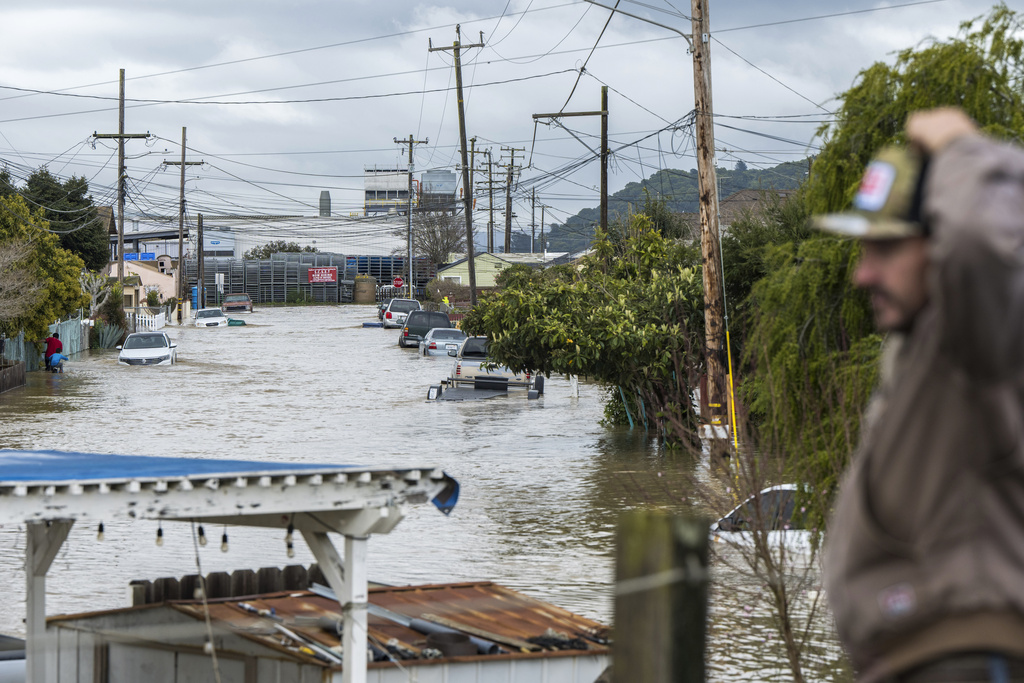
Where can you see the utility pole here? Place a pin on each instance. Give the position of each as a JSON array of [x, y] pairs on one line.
[[200, 265], [410, 142], [181, 223], [533, 218], [120, 136], [699, 41], [603, 154], [543, 244], [508, 195], [714, 328], [490, 203], [467, 198]]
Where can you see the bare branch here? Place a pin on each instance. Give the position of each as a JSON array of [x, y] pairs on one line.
[[20, 286]]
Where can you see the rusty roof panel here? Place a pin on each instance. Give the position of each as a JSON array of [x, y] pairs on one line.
[[304, 625]]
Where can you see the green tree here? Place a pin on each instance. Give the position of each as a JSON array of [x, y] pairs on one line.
[[628, 316], [264, 251], [68, 208], [980, 70], [58, 268], [811, 350]]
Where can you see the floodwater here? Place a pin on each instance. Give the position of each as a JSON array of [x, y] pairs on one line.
[[543, 483]]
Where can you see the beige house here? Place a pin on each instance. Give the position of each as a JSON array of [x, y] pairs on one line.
[[141, 277], [488, 265]]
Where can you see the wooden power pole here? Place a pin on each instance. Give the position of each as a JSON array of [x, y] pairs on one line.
[[508, 194], [181, 223], [603, 154], [120, 136], [410, 142], [200, 265], [467, 195], [711, 254], [699, 41]]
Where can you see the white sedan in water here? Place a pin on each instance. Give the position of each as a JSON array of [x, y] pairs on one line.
[[148, 348], [772, 512], [211, 317]]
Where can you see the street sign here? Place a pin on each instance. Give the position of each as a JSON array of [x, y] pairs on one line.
[[398, 281]]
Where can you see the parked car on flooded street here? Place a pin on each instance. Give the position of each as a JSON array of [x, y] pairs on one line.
[[210, 317], [440, 340], [236, 303], [398, 310], [776, 516], [418, 323], [472, 368], [148, 348]]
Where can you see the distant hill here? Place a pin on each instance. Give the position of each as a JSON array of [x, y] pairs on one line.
[[679, 189]]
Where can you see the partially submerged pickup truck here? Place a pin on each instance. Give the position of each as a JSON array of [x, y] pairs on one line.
[[467, 370]]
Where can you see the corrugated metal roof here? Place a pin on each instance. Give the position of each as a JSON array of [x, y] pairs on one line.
[[483, 609]]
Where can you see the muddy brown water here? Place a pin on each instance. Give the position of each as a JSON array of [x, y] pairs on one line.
[[543, 483]]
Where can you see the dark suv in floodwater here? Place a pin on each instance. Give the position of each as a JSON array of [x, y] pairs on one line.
[[418, 323]]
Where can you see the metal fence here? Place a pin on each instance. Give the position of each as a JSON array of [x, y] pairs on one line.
[[273, 280], [74, 336]]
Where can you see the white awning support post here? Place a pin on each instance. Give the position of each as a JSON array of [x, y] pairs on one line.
[[43, 542], [353, 605], [348, 579]]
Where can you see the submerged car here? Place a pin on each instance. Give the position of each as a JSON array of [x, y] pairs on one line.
[[148, 348], [440, 340], [773, 511], [472, 368], [211, 317], [418, 323], [236, 303], [397, 311]]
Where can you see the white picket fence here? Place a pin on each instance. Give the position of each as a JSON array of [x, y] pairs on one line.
[[143, 322]]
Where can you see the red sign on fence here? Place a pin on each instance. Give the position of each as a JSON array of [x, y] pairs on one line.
[[397, 282], [319, 275]]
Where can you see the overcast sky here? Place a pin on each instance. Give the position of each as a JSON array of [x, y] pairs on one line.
[[284, 99]]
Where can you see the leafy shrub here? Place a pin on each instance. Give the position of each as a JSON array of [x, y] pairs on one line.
[[296, 296], [439, 289]]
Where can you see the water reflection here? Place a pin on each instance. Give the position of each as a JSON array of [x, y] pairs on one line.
[[543, 483]]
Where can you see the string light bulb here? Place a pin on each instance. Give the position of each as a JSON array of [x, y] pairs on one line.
[[224, 542], [99, 532], [202, 535], [288, 540], [160, 535]]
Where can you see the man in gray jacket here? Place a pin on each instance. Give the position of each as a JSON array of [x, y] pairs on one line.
[[924, 563]]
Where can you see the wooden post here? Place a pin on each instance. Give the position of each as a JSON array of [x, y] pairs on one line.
[[661, 599]]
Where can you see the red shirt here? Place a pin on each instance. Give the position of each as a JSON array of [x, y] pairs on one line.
[[53, 345]]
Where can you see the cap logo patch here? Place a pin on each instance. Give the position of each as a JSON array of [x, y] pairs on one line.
[[875, 186], [897, 601]]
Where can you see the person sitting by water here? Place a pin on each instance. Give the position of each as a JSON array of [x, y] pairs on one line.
[[56, 362], [53, 345]]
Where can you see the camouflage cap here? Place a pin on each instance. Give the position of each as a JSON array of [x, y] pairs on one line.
[[888, 202]]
